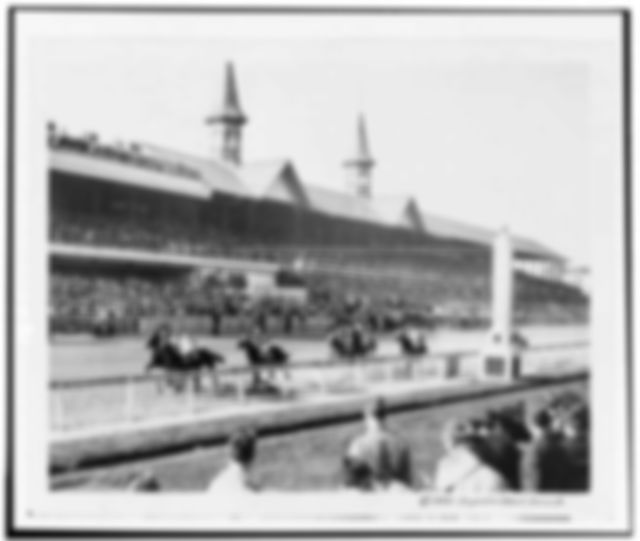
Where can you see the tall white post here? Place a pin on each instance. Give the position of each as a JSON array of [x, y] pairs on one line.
[[498, 356], [502, 285]]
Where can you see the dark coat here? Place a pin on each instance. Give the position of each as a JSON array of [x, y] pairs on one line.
[[388, 457], [504, 456], [545, 465], [578, 474]]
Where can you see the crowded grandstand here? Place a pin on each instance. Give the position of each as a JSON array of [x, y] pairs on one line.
[[140, 233]]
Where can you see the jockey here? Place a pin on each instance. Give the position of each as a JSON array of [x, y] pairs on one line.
[[411, 333], [160, 336], [185, 345], [415, 337]]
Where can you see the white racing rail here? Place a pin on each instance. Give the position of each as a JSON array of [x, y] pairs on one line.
[[131, 398]]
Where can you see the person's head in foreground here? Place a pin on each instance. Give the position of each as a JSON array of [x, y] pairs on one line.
[[454, 434], [374, 414], [235, 477], [130, 481], [357, 475], [541, 423], [479, 427], [242, 447], [497, 423], [576, 424], [465, 467], [144, 482]]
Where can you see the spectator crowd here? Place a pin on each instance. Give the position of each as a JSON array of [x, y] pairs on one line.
[[108, 305], [457, 286], [498, 453]]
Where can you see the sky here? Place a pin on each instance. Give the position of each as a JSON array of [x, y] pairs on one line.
[[487, 128]]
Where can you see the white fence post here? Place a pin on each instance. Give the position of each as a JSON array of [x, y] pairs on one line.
[[58, 409], [129, 400], [242, 388], [189, 388]]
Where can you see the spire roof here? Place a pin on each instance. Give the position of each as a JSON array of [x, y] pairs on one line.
[[362, 155], [231, 110]]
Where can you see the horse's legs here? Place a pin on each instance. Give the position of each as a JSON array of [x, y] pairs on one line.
[[179, 382], [172, 380], [160, 383], [256, 378], [215, 380], [197, 381]]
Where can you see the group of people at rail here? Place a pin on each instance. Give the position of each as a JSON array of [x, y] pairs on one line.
[[107, 304], [111, 305], [497, 451]]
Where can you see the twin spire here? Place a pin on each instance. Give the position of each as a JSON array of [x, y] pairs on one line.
[[361, 165], [232, 118]]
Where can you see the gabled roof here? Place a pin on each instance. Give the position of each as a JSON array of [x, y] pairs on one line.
[[216, 175], [258, 176], [453, 229], [275, 180], [448, 228], [341, 204], [525, 245], [399, 211]]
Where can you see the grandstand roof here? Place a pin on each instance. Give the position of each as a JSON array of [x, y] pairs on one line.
[[448, 228], [216, 175], [276, 180], [525, 245], [453, 229], [341, 204], [399, 211], [90, 166]]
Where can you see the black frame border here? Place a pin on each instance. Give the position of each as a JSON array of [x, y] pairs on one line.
[[626, 32]]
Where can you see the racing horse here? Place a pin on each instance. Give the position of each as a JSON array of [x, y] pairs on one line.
[[413, 345], [352, 343], [261, 357], [179, 365]]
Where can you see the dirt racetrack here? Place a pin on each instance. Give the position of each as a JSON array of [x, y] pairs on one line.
[[85, 357]]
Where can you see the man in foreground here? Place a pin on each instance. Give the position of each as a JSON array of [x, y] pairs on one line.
[[236, 476], [386, 456]]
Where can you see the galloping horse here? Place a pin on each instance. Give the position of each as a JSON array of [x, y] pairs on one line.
[[270, 357], [178, 365], [352, 343], [413, 345]]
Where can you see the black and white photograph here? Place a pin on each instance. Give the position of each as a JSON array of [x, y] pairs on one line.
[[293, 270]]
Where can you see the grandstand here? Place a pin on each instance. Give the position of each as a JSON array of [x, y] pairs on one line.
[[137, 231]]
